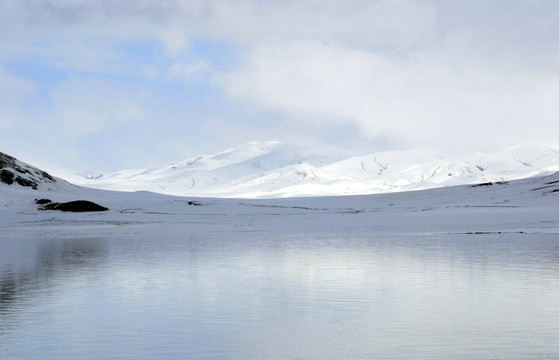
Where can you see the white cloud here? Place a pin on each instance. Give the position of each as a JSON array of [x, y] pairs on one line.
[[84, 106], [175, 23], [15, 92], [423, 72], [191, 70], [361, 23], [418, 100], [88, 36], [103, 20]]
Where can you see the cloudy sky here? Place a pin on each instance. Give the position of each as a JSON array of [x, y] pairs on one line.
[[105, 85]]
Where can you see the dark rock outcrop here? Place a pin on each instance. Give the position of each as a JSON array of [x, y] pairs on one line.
[[490, 184], [14, 171], [42, 201], [71, 206]]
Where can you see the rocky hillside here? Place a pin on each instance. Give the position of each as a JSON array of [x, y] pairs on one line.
[[15, 172]]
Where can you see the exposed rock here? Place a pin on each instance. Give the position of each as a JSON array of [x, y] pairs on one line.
[[14, 171], [491, 183], [6, 176], [72, 206], [42, 201]]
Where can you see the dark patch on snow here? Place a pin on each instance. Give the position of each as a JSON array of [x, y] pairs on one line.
[[482, 184], [284, 207], [352, 211], [490, 184], [424, 209], [71, 206], [7, 177], [130, 210], [488, 206], [544, 187], [190, 202], [492, 232], [42, 201]]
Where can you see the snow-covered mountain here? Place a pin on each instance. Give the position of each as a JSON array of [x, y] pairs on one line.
[[274, 169], [519, 206]]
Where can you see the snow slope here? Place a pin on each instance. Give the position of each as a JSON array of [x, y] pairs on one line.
[[522, 206], [274, 169]]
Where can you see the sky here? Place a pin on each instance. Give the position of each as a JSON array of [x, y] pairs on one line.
[[102, 85]]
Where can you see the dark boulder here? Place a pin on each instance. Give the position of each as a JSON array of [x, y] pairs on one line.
[[7, 177], [42, 201], [71, 206]]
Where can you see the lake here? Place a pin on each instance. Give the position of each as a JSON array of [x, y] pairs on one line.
[[259, 296]]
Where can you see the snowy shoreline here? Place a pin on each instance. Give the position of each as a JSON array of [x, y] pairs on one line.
[[521, 206]]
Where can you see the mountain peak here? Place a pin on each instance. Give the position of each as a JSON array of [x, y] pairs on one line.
[[277, 169]]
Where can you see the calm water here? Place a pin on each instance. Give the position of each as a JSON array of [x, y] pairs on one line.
[[263, 297]]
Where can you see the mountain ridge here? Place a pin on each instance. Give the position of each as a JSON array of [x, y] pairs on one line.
[[273, 169]]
